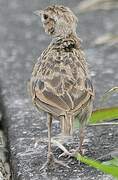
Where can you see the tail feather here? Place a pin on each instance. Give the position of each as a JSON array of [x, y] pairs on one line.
[[67, 125]]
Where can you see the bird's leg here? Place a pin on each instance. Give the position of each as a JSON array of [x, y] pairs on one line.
[[50, 157], [81, 136], [74, 152], [49, 136]]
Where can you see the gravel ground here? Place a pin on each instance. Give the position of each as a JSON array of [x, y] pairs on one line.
[[22, 39]]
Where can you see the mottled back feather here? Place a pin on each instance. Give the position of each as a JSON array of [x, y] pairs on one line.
[[60, 82]]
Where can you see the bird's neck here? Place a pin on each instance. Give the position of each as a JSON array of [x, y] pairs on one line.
[[69, 37], [66, 35]]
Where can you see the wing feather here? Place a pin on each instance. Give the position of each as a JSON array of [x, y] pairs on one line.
[[61, 82]]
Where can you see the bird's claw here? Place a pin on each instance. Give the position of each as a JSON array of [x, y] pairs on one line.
[[64, 154], [72, 153], [51, 160]]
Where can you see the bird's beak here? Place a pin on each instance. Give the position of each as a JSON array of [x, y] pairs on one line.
[[38, 12]]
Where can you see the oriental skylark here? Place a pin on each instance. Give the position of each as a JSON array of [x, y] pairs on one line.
[[60, 82]]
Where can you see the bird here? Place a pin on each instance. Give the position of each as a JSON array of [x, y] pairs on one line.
[[60, 83]]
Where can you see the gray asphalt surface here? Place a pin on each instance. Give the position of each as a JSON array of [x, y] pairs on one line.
[[22, 40]]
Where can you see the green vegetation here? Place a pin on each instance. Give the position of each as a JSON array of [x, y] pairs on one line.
[[110, 168], [101, 115], [98, 116]]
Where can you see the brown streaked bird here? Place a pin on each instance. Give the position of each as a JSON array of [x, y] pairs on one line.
[[60, 83]]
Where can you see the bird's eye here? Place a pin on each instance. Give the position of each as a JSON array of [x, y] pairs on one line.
[[45, 16]]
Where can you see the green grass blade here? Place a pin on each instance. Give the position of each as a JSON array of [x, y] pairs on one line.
[[113, 162], [101, 115], [109, 93], [112, 170]]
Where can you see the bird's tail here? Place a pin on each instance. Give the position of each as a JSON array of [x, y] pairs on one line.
[[67, 125]]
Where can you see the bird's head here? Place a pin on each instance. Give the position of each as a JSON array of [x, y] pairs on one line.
[[58, 20]]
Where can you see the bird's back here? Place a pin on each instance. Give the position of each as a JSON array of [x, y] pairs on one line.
[[60, 84]]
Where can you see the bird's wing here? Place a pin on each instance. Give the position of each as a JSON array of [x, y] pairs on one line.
[[60, 80]]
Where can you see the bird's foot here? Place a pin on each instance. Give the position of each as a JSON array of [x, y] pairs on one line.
[[72, 153], [51, 160]]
